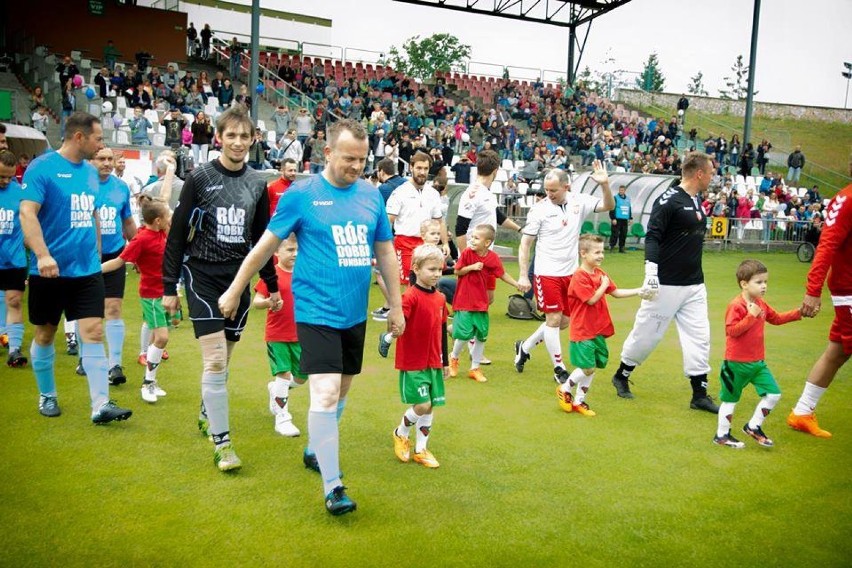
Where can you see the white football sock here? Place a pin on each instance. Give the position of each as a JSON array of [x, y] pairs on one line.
[[551, 341], [764, 407], [726, 414], [458, 345], [476, 353], [809, 399], [534, 339], [154, 356], [424, 428], [582, 386], [409, 419], [144, 338]]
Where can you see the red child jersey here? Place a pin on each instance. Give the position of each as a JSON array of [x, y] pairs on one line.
[[472, 288], [276, 189], [421, 346], [280, 325], [835, 249], [744, 341], [588, 322], [146, 250]]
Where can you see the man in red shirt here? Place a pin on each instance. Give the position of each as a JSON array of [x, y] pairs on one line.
[[834, 253], [277, 188]]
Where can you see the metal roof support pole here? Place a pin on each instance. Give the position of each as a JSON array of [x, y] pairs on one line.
[[752, 58]]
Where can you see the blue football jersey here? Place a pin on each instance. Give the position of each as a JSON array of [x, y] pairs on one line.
[[11, 238], [66, 192], [336, 229], [113, 205]]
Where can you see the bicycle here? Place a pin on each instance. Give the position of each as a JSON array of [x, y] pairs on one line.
[[805, 252]]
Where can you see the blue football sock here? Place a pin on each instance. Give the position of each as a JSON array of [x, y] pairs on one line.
[[322, 427], [115, 340], [2, 312], [16, 336], [341, 404], [43, 357], [95, 363]]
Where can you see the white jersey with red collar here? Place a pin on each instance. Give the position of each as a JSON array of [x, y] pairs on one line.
[[411, 207], [557, 230]]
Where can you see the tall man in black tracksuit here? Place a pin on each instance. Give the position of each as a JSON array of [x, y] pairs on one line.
[[673, 249], [222, 212]]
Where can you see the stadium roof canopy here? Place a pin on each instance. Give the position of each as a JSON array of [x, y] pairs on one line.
[[565, 13]]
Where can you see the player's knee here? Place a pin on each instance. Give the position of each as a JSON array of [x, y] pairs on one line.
[[161, 337], [13, 300], [112, 308], [214, 353], [325, 394], [91, 330], [423, 408]]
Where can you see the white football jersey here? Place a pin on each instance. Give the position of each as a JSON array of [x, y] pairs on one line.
[[557, 230], [412, 206], [478, 204]]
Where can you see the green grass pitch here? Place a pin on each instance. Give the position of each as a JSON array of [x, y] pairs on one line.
[[520, 483]]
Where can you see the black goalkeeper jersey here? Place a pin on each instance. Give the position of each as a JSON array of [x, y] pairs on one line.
[[675, 238], [220, 216]]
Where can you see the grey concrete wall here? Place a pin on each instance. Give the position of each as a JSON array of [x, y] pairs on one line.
[[735, 108]]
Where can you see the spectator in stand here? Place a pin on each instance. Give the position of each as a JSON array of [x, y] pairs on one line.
[[795, 163], [762, 158], [139, 126], [744, 205], [317, 145], [734, 152], [291, 148], [194, 101], [461, 170], [102, 80], [304, 125], [236, 54], [170, 78], [202, 136], [244, 98], [226, 94], [257, 152], [281, 118], [118, 82], [174, 124], [154, 76], [191, 36], [67, 69], [21, 168], [141, 98], [111, 55], [747, 160], [206, 33], [40, 118], [69, 103], [217, 83], [37, 99]]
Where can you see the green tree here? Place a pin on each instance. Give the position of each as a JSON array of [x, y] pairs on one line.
[[421, 58], [737, 85], [591, 83], [696, 87], [652, 78]]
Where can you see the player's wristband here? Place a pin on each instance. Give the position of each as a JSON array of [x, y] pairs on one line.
[[650, 269]]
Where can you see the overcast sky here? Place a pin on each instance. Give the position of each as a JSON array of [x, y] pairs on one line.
[[801, 49]]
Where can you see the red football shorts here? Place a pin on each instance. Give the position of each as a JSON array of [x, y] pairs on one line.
[[404, 249], [841, 328], [551, 293]]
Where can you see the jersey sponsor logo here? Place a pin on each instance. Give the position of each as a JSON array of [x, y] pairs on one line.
[[7, 221], [318, 203], [230, 224], [108, 216], [353, 248], [82, 207], [834, 210], [64, 176]]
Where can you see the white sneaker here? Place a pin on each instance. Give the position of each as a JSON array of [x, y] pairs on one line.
[[149, 392], [158, 390], [284, 425]]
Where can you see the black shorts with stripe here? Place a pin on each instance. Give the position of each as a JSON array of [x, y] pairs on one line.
[[329, 350], [203, 283]]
